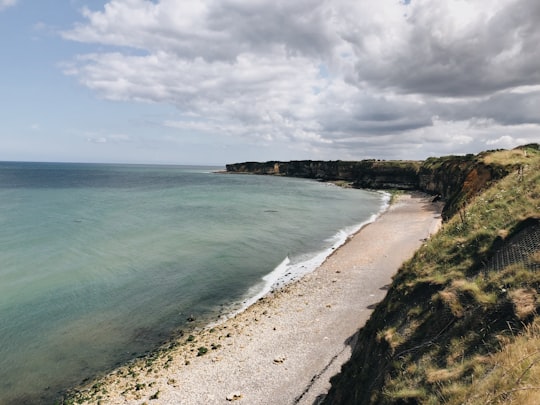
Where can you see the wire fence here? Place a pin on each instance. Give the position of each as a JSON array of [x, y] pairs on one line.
[[520, 248]]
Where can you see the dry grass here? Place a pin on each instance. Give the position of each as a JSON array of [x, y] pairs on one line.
[[473, 361], [508, 157], [525, 301], [451, 299], [391, 336], [514, 376]]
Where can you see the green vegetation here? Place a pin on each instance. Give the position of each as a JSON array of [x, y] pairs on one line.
[[343, 183], [451, 329], [394, 195], [201, 351]]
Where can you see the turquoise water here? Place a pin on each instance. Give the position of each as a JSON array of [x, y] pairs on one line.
[[101, 263]]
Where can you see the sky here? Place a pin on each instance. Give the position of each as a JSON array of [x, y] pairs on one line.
[[224, 81]]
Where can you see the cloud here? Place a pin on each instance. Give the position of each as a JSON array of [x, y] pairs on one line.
[[7, 3], [457, 48], [99, 139], [212, 30], [112, 138], [333, 78]]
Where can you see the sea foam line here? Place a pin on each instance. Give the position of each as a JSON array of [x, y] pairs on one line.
[[287, 272]]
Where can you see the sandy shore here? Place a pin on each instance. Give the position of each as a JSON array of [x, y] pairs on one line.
[[284, 348]]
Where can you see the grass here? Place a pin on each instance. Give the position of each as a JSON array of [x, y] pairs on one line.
[[519, 156], [476, 301], [514, 372], [449, 331], [394, 195]]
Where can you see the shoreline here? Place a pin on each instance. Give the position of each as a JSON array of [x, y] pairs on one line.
[[286, 273], [285, 346]]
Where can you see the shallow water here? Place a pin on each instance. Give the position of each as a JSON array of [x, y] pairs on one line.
[[101, 263]]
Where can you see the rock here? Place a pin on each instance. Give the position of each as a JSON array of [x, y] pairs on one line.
[[235, 396]]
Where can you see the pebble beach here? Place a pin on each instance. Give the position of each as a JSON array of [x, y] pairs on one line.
[[284, 348]]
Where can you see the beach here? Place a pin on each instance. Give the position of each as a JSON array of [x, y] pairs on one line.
[[284, 348]]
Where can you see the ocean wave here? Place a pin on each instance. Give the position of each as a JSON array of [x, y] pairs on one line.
[[290, 270]]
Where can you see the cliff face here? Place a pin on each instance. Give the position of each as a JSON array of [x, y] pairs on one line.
[[452, 326], [462, 315], [363, 174], [455, 178]]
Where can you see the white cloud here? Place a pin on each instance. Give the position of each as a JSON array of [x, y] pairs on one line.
[[7, 3], [337, 77], [111, 138], [457, 48], [504, 141], [97, 139]]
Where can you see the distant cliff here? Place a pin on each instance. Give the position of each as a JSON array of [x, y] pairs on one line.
[[456, 179], [363, 174]]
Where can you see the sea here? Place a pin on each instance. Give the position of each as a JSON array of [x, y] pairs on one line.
[[102, 263]]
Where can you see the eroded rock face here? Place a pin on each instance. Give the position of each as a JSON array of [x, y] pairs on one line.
[[363, 174], [455, 179]]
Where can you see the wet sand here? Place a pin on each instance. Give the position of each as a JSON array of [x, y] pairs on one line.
[[284, 348]]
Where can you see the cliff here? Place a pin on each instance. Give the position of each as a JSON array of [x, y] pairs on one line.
[[363, 174], [456, 179], [460, 322]]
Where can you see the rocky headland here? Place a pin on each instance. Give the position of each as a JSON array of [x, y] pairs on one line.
[[456, 179]]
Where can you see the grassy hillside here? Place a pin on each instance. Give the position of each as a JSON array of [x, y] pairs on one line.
[[460, 322]]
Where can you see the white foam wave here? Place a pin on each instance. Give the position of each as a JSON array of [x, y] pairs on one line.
[[288, 271]]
